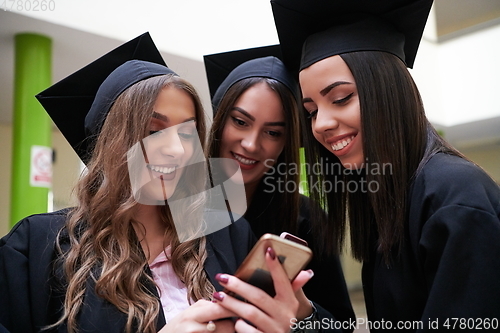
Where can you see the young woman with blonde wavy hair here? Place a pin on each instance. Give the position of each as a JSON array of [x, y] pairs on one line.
[[109, 240]]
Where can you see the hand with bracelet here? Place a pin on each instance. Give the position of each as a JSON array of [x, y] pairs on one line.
[[306, 325]]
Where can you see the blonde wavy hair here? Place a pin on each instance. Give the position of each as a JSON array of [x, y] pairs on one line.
[[101, 231]]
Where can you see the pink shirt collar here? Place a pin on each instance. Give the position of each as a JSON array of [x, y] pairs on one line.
[[172, 291]]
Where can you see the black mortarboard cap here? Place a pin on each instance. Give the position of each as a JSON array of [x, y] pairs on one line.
[[225, 69], [312, 30], [79, 104]]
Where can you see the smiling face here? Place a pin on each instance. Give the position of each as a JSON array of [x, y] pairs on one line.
[[331, 98], [156, 162], [254, 132]]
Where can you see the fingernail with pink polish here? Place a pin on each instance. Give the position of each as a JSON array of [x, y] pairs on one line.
[[311, 273], [222, 278], [271, 252], [218, 296]]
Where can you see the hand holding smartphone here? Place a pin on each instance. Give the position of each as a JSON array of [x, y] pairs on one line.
[[290, 251]]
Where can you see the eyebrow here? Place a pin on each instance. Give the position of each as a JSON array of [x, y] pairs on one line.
[[252, 118], [246, 114], [326, 90], [164, 118], [160, 116]]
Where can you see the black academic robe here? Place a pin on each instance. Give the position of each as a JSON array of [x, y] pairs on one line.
[[448, 274], [30, 300], [327, 288]]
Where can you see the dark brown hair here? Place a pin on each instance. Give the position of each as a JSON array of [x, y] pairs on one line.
[[286, 203]]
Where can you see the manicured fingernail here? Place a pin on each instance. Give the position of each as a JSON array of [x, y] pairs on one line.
[[222, 278], [219, 296], [271, 252], [311, 273]]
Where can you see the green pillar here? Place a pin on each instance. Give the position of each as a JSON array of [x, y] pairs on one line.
[[31, 128], [303, 176]]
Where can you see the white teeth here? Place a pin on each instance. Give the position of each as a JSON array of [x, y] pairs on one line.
[[244, 160], [340, 145], [161, 169]]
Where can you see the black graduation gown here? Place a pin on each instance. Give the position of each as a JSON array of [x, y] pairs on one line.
[[29, 301], [450, 263], [327, 288]]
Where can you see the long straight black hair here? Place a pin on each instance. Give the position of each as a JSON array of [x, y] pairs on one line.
[[397, 142]]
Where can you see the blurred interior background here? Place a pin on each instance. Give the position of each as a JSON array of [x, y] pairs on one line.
[[457, 69]]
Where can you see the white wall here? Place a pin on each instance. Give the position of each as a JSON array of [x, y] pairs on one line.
[[459, 79], [190, 28]]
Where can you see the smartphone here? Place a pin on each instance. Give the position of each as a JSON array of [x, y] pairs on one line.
[[292, 254], [293, 238]]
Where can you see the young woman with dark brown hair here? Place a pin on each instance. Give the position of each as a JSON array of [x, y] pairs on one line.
[[257, 123], [423, 219]]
